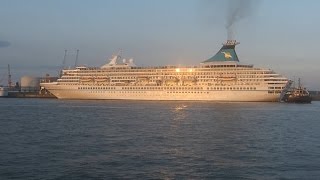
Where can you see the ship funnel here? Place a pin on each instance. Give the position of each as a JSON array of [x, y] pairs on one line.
[[226, 53]]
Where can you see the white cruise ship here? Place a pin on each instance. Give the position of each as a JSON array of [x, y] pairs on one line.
[[220, 78]]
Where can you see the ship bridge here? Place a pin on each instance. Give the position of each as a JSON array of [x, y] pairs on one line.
[[226, 54]]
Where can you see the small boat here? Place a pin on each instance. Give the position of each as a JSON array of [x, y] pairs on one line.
[[298, 95]]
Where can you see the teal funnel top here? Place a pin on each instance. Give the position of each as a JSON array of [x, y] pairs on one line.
[[226, 53]]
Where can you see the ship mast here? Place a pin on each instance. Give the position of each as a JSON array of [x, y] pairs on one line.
[[76, 62], [9, 77], [64, 59], [63, 62]]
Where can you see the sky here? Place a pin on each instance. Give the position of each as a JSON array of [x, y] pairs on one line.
[[278, 35]]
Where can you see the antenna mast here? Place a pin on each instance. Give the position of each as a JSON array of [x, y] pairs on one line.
[[76, 62], [9, 77], [64, 59], [63, 62]]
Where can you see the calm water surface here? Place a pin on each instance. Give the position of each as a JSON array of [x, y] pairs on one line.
[[73, 139]]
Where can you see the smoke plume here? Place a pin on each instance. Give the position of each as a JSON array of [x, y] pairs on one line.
[[236, 11]]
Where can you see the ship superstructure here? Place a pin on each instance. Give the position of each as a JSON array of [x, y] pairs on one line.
[[220, 78]]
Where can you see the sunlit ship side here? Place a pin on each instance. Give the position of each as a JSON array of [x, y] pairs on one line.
[[3, 91], [220, 78]]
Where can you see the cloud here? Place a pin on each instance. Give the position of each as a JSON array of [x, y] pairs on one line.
[[4, 44]]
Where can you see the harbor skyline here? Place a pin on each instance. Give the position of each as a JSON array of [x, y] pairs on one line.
[[282, 36]]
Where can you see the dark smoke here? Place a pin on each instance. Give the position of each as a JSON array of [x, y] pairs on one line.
[[4, 44], [232, 11], [238, 10]]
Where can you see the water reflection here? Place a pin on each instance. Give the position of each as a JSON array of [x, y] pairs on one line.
[[180, 107], [179, 112]]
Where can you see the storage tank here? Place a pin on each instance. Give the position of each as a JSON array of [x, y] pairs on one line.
[[30, 84]]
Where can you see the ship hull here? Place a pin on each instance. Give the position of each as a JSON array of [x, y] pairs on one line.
[[299, 99], [118, 92]]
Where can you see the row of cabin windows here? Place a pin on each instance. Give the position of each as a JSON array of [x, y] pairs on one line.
[[107, 88], [189, 92], [156, 77], [162, 88], [232, 88], [140, 92], [201, 80], [168, 74], [168, 68], [170, 88], [274, 92], [276, 87], [169, 92], [172, 73], [191, 78]]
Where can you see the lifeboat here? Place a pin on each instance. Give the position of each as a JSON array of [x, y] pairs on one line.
[[86, 79]]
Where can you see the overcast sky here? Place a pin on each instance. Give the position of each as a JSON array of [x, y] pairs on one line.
[[279, 35]]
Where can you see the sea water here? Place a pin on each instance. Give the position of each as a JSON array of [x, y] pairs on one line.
[[110, 139]]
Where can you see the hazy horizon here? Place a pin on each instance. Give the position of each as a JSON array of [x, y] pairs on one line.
[[279, 35]]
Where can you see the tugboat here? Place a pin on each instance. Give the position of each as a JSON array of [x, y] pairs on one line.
[[298, 95]]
